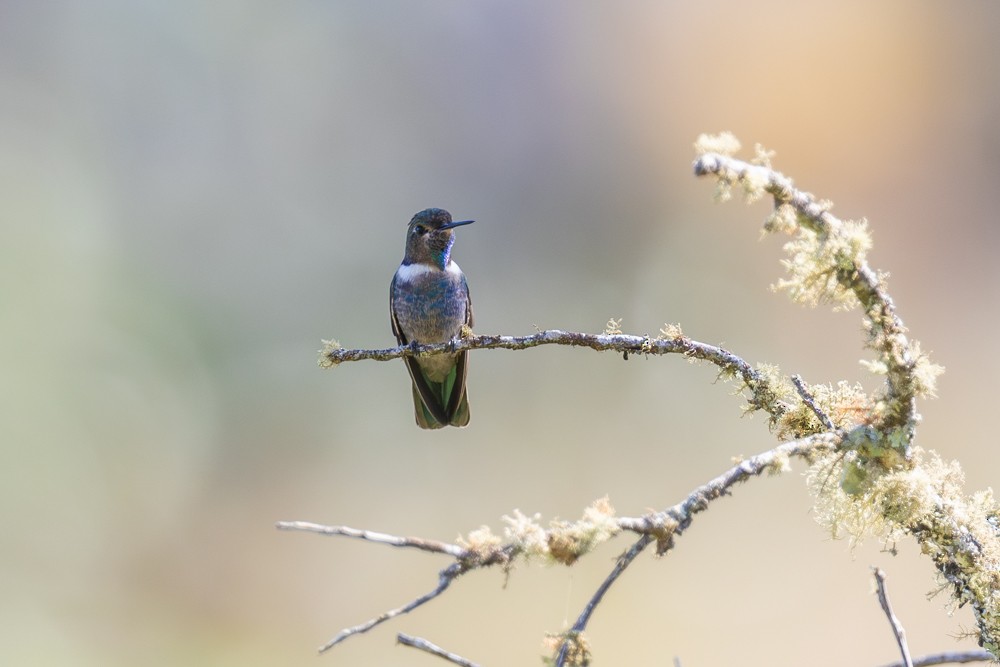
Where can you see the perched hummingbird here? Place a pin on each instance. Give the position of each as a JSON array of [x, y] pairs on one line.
[[428, 303]]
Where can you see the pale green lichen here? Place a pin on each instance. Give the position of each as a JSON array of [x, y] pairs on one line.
[[525, 534], [875, 366], [647, 345], [724, 143], [770, 391], [613, 327], [782, 220], [671, 332], [779, 463], [925, 373], [845, 404], [723, 190], [754, 183], [481, 542], [923, 497], [324, 359], [818, 261], [577, 649], [562, 542], [567, 541], [762, 156], [854, 495]]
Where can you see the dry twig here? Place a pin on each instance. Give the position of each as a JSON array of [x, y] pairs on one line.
[[433, 649], [807, 398], [763, 395], [948, 657], [897, 628]]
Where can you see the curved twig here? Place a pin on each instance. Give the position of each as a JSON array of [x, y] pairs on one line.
[[887, 333], [446, 576], [763, 395]]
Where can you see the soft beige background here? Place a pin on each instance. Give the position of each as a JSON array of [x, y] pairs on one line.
[[193, 194]]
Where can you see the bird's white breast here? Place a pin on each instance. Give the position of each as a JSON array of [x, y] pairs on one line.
[[407, 273]]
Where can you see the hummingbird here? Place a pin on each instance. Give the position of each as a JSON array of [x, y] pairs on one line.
[[429, 303]]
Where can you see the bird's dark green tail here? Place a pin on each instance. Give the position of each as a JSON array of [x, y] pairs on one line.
[[440, 404]]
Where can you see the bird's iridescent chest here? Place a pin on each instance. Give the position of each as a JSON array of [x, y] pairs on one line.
[[430, 303]]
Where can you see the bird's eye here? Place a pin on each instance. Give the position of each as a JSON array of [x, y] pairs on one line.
[[420, 229]]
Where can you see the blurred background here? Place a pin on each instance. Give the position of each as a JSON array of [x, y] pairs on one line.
[[193, 195]]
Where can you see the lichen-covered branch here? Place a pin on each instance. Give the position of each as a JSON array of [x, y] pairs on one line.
[[675, 520], [767, 393], [886, 486], [564, 542], [663, 527], [829, 264], [810, 401], [924, 499]]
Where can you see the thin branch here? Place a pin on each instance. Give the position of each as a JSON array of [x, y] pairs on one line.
[[623, 562], [807, 398], [433, 546], [675, 520], [897, 627], [433, 649], [445, 578], [764, 396], [465, 560], [447, 575], [948, 657]]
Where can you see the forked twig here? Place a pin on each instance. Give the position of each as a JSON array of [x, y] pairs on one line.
[[661, 527], [664, 526]]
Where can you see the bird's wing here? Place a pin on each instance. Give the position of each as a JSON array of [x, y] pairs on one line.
[[468, 304], [461, 367], [400, 338]]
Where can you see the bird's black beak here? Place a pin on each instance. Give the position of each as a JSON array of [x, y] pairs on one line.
[[457, 223]]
